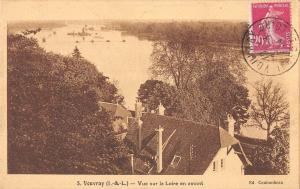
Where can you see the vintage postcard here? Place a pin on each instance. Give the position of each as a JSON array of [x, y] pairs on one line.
[[149, 94]]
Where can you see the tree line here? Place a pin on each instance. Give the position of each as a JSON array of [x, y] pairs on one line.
[[54, 122], [215, 32]]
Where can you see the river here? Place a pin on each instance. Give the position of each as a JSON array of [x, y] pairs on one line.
[[124, 59]]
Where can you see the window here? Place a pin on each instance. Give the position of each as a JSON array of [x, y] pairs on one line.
[[215, 166], [222, 163], [242, 170], [175, 161]]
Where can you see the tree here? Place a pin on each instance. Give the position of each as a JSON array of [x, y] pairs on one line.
[[184, 52], [208, 77], [55, 125], [271, 107], [177, 55], [153, 92], [273, 158], [192, 105], [225, 94], [76, 53]]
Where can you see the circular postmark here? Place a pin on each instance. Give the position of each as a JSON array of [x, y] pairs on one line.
[[271, 46]]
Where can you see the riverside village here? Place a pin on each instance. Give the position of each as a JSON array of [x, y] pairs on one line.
[[145, 97]]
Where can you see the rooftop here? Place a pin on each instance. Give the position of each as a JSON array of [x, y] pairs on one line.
[[194, 142], [115, 109]]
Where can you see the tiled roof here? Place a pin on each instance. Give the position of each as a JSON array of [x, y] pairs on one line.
[[195, 143], [115, 109], [249, 140]]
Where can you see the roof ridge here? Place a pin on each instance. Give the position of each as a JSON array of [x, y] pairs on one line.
[[107, 102], [116, 104], [187, 120]]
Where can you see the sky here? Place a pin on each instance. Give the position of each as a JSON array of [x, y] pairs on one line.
[[116, 9]]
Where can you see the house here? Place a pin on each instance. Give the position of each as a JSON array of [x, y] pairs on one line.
[[120, 117], [171, 146]]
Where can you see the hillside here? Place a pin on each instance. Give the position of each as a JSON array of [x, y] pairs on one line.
[[54, 123]]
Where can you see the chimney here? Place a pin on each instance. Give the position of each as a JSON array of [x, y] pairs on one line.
[[159, 149], [138, 109], [161, 109], [138, 115], [139, 122], [230, 122], [131, 162]]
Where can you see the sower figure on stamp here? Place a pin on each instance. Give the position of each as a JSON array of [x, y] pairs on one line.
[[273, 37]]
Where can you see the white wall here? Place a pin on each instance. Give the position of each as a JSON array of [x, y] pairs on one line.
[[232, 164]]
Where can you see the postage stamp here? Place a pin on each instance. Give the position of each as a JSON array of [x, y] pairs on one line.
[[272, 31], [270, 45]]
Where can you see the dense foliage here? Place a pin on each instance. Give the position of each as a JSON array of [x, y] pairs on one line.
[[220, 32], [225, 93], [153, 92], [54, 122], [271, 158], [204, 68]]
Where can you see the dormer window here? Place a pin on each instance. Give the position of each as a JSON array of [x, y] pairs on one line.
[[118, 118], [175, 161]]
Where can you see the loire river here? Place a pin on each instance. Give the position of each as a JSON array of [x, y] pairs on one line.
[[124, 59]]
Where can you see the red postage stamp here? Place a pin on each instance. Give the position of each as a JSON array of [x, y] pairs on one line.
[[271, 30]]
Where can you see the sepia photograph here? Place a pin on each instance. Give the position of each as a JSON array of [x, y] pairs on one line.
[[144, 92]]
